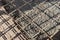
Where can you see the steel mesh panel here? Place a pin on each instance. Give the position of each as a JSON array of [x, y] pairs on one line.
[[29, 19]]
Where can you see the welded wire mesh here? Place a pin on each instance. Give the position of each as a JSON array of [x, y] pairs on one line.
[[29, 19]]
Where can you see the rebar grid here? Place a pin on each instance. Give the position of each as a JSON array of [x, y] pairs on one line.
[[36, 15]]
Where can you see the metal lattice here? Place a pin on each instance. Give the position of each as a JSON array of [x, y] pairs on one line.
[[29, 19]]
